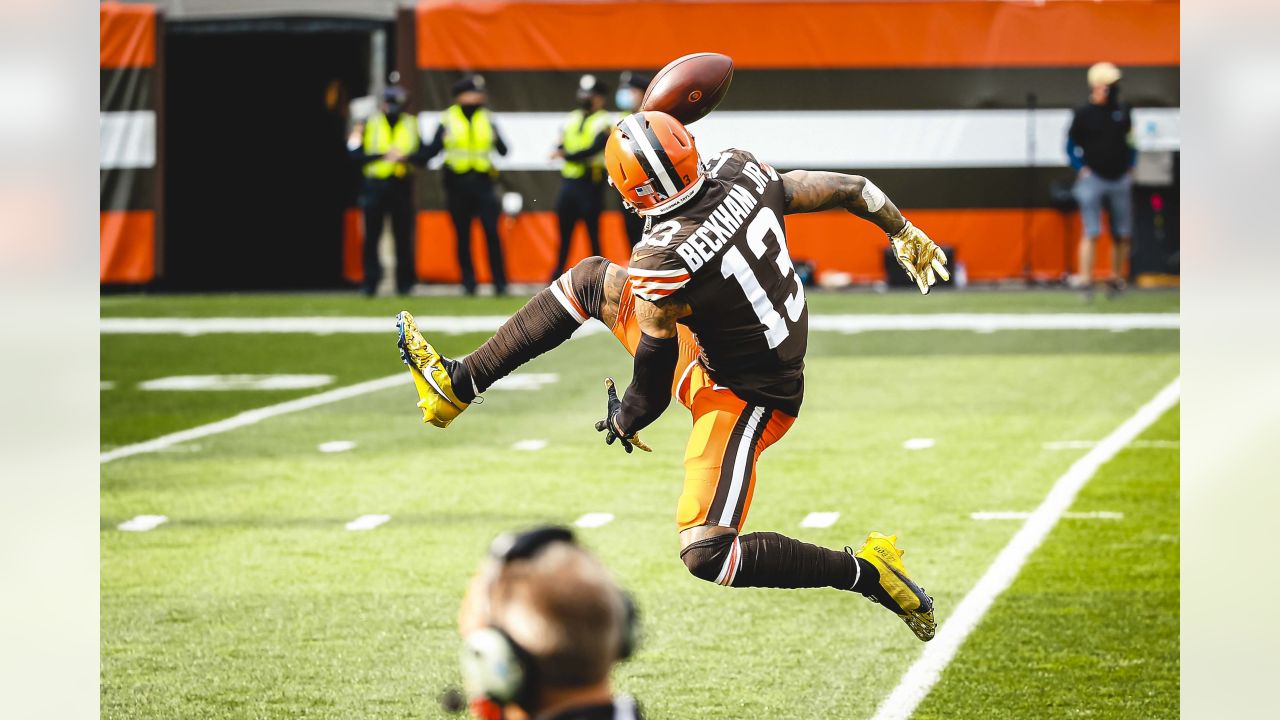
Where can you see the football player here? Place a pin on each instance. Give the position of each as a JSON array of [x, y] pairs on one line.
[[714, 314]]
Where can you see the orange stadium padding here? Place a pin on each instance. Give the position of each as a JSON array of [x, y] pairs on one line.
[[127, 246], [990, 243], [126, 35], [572, 34]]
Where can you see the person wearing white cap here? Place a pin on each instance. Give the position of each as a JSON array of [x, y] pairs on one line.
[[1100, 147]]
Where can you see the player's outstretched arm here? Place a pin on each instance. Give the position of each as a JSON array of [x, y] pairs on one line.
[[653, 371], [812, 190]]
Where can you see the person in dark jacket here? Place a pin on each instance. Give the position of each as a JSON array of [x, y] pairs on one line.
[[582, 139], [468, 136], [1100, 147], [387, 146], [631, 87]]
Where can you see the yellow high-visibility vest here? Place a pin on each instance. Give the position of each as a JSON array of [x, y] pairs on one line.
[[578, 136], [379, 137], [467, 143]]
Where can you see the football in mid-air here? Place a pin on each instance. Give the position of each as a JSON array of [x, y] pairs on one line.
[[689, 87]]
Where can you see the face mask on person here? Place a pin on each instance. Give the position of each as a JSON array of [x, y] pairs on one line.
[[394, 108], [469, 109], [1113, 94], [625, 99]]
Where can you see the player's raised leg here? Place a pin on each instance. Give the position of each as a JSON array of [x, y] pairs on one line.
[[727, 439], [447, 387]]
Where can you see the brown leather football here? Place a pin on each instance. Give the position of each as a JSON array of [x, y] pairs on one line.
[[689, 87]]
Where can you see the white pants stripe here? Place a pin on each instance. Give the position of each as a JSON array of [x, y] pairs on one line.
[[741, 467]]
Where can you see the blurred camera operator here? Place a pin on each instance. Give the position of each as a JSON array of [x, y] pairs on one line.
[[543, 624]]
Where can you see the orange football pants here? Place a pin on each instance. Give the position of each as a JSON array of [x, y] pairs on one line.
[[728, 434]]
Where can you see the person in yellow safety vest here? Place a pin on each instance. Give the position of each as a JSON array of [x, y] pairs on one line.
[[469, 137], [387, 146], [582, 140]]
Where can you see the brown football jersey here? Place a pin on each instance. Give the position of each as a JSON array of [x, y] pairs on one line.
[[725, 255]]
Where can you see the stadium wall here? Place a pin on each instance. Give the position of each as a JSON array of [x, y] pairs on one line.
[[957, 109]]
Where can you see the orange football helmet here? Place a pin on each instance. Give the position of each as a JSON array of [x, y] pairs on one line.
[[652, 162]]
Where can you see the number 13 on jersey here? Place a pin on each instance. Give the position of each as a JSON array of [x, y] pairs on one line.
[[735, 265]]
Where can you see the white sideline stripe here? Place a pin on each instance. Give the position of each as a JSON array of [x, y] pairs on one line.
[[1136, 444], [819, 519], [978, 322], [838, 139], [925, 671], [143, 523], [250, 417], [367, 522], [451, 325], [1003, 515], [594, 520]]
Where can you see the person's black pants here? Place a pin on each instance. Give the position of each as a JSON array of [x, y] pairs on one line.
[[471, 195], [392, 196], [580, 199]]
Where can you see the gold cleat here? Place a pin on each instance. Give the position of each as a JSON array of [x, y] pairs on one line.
[[440, 405], [897, 591]]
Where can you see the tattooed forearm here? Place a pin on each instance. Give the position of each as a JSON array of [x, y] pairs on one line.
[[615, 279], [812, 190]]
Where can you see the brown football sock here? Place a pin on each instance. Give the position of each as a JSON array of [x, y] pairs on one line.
[[767, 559], [542, 324]]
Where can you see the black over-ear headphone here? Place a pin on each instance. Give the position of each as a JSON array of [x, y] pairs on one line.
[[496, 671]]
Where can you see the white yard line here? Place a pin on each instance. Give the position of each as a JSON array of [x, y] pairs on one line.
[[257, 415], [1136, 444], [924, 673], [454, 324], [1005, 515], [820, 519], [367, 522]]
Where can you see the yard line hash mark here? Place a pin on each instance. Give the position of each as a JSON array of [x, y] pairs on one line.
[[143, 523], [367, 522], [927, 669], [820, 519], [530, 445], [918, 443], [257, 415], [336, 446], [594, 520]]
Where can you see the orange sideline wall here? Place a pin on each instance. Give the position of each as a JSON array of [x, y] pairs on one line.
[[989, 243]]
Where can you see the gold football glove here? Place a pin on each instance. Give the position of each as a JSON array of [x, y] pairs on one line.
[[919, 256]]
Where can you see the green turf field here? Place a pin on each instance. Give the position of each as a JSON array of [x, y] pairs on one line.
[[253, 600]]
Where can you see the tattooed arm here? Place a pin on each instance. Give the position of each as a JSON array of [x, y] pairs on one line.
[[811, 190], [814, 190]]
